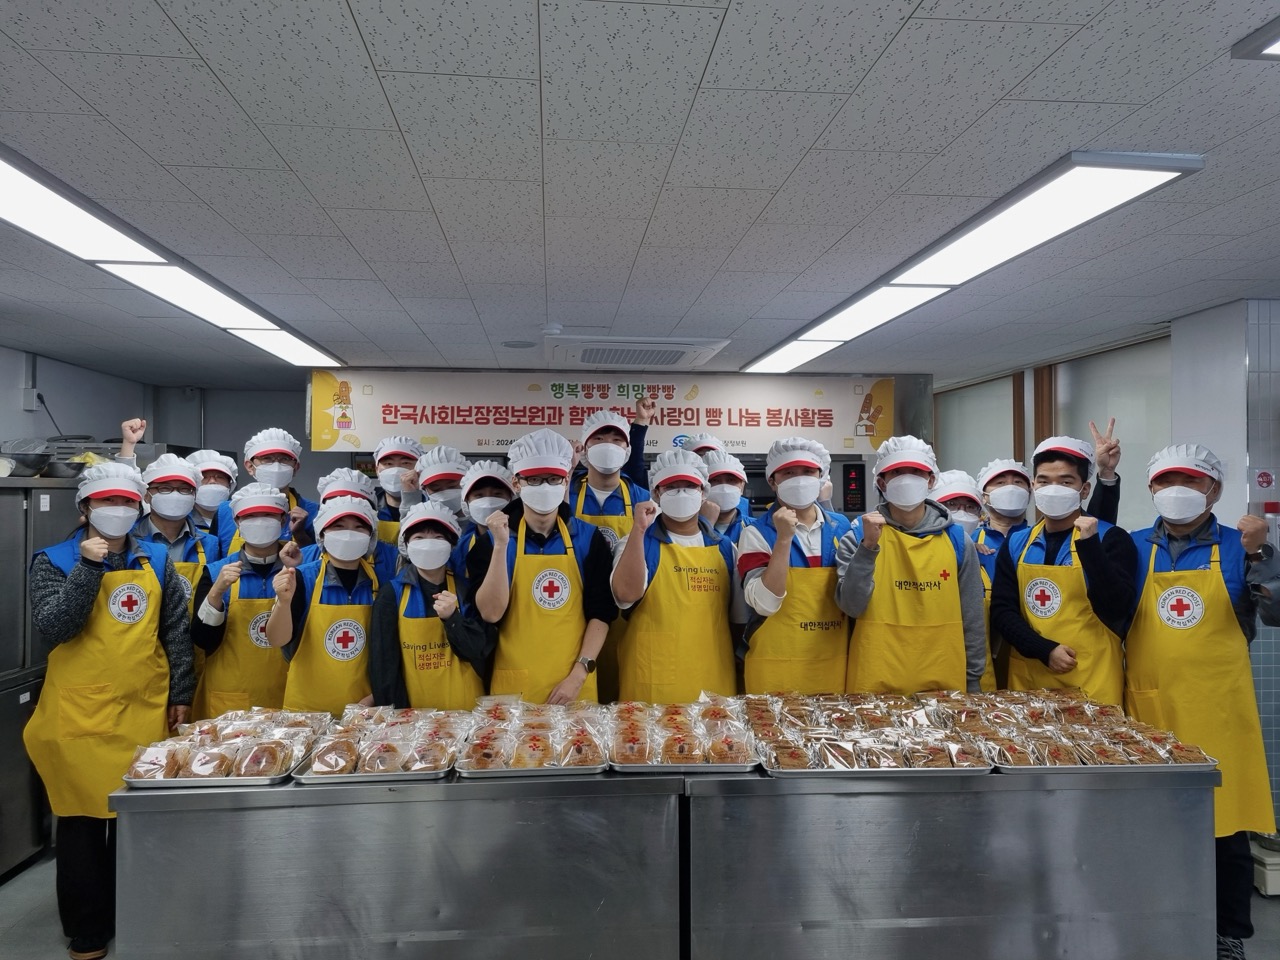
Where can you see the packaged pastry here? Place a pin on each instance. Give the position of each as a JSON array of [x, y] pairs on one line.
[[630, 710], [426, 755], [1185, 753], [967, 755], [214, 760], [1057, 753], [383, 756], [160, 761], [632, 746], [1142, 751], [263, 758], [768, 732], [1007, 752], [681, 748], [836, 755], [788, 757], [580, 751], [335, 755], [926, 754], [873, 718], [487, 753], [729, 748], [1103, 712], [532, 750], [876, 755], [1101, 753]]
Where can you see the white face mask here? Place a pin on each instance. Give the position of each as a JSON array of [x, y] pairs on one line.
[[482, 507], [543, 499], [969, 521], [726, 496], [390, 479], [607, 457], [451, 500], [260, 531], [1180, 504], [907, 491], [680, 504], [279, 475], [429, 554], [172, 506], [113, 522], [211, 495], [1056, 501], [346, 544], [1009, 500], [799, 492]]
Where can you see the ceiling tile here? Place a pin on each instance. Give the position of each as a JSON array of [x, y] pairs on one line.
[[122, 26], [586, 283], [753, 290], [321, 257], [811, 45], [27, 85], [750, 139], [1232, 168], [577, 241], [374, 323], [643, 325], [190, 229], [501, 262], [488, 210], [693, 217], [679, 266], [25, 285], [371, 169], [1045, 11], [791, 305], [840, 186], [1245, 214], [1017, 275], [389, 235], [709, 328], [432, 312], [290, 61], [611, 180], [1128, 55], [420, 279], [585, 314], [176, 110], [137, 303], [294, 308], [347, 295], [329, 331], [22, 250], [1172, 276], [762, 329], [516, 308], [666, 301], [470, 355], [1141, 255], [844, 272], [936, 78], [250, 275], [1130, 223], [782, 247], [622, 71], [259, 201], [472, 127], [476, 37]]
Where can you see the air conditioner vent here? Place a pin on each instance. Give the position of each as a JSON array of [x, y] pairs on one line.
[[631, 352]]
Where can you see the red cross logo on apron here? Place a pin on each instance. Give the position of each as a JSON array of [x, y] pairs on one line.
[[945, 575], [1042, 597], [551, 589], [128, 603], [1180, 607], [344, 640]]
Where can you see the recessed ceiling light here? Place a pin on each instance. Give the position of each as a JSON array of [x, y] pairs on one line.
[[876, 308], [518, 344], [287, 347], [791, 355], [190, 293], [1262, 44]]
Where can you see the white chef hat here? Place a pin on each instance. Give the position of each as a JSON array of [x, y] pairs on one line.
[[1067, 445], [956, 483], [542, 451], [605, 420], [796, 451], [402, 446], [719, 462], [1187, 458], [170, 466], [677, 464], [272, 440], [111, 480], [206, 460], [441, 463], [346, 482], [905, 451], [701, 442], [997, 467], [426, 511], [256, 498], [339, 507], [486, 470]]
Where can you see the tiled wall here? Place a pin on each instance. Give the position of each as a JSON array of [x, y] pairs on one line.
[[1264, 451]]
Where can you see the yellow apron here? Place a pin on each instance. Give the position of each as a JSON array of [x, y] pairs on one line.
[[1055, 601], [805, 645], [245, 671], [330, 668], [105, 694], [1196, 681], [237, 541], [541, 634], [911, 636], [988, 681], [389, 531], [434, 675], [677, 641], [614, 529]]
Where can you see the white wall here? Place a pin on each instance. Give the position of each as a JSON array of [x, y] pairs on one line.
[[82, 401], [974, 425]]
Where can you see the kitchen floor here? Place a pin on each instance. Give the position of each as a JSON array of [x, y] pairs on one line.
[[29, 928]]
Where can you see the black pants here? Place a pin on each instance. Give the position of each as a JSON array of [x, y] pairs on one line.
[[86, 862], [1235, 886]]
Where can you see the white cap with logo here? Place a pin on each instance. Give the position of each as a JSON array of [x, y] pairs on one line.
[[905, 451], [1190, 458]]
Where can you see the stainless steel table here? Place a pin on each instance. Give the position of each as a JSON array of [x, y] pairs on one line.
[[564, 867], [1103, 865]]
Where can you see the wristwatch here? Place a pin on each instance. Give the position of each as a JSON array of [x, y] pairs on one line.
[[588, 664]]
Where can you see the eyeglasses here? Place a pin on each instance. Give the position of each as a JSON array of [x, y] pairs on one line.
[[539, 481], [276, 458], [171, 488]]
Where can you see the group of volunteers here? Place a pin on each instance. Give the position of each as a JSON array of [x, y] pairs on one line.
[[577, 571]]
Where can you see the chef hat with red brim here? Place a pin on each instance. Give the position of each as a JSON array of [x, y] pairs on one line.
[[542, 451], [1068, 445], [700, 443], [720, 463], [169, 467], [254, 499], [111, 480], [604, 420], [398, 446], [905, 451], [678, 464], [441, 463], [796, 452], [347, 482], [269, 441], [956, 484], [1189, 458], [427, 511], [206, 460], [339, 507], [997, 467], [486, 470]]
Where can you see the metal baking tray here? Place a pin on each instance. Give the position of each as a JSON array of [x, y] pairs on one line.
[[865, 772], [400, 776], [533, 772], [1108, 768], [684, 767], [192, 783]]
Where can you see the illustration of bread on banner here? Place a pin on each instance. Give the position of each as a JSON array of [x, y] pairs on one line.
[[693, 393]]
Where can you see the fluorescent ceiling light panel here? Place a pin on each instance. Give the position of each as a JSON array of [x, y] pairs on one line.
[[1262, 44], [1273, 50], [191, 294], [287, 347], [1070, 199], [876, 308], [31, 206], [791, 355]]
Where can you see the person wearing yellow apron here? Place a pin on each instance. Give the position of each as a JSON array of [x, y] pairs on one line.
[[394, 459], [1064, 589], [347, 482], [218, 475], [119, 676], [546, 588], [911, 581], [271, 456], [437, 476], [233, 601], [425, 648], [796, 638], [487, 487], [171, 495], [674, 578], [728, 479], [323, 610], [1200, 589], [959, 493]]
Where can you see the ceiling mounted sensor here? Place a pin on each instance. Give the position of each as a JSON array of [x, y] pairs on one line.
[[632, 353]]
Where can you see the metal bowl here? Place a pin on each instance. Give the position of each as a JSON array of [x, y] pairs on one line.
[[27, 464], [63, 469]]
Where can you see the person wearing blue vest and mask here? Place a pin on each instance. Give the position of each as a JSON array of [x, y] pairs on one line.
[[1201, 586], [218, 475], [394, 458], [728, 479], [910, 580], [271, 456], [171, 494], [796, 636], [348, 482], [960, 494], [487, 487], [437, 476], [114, 613]]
